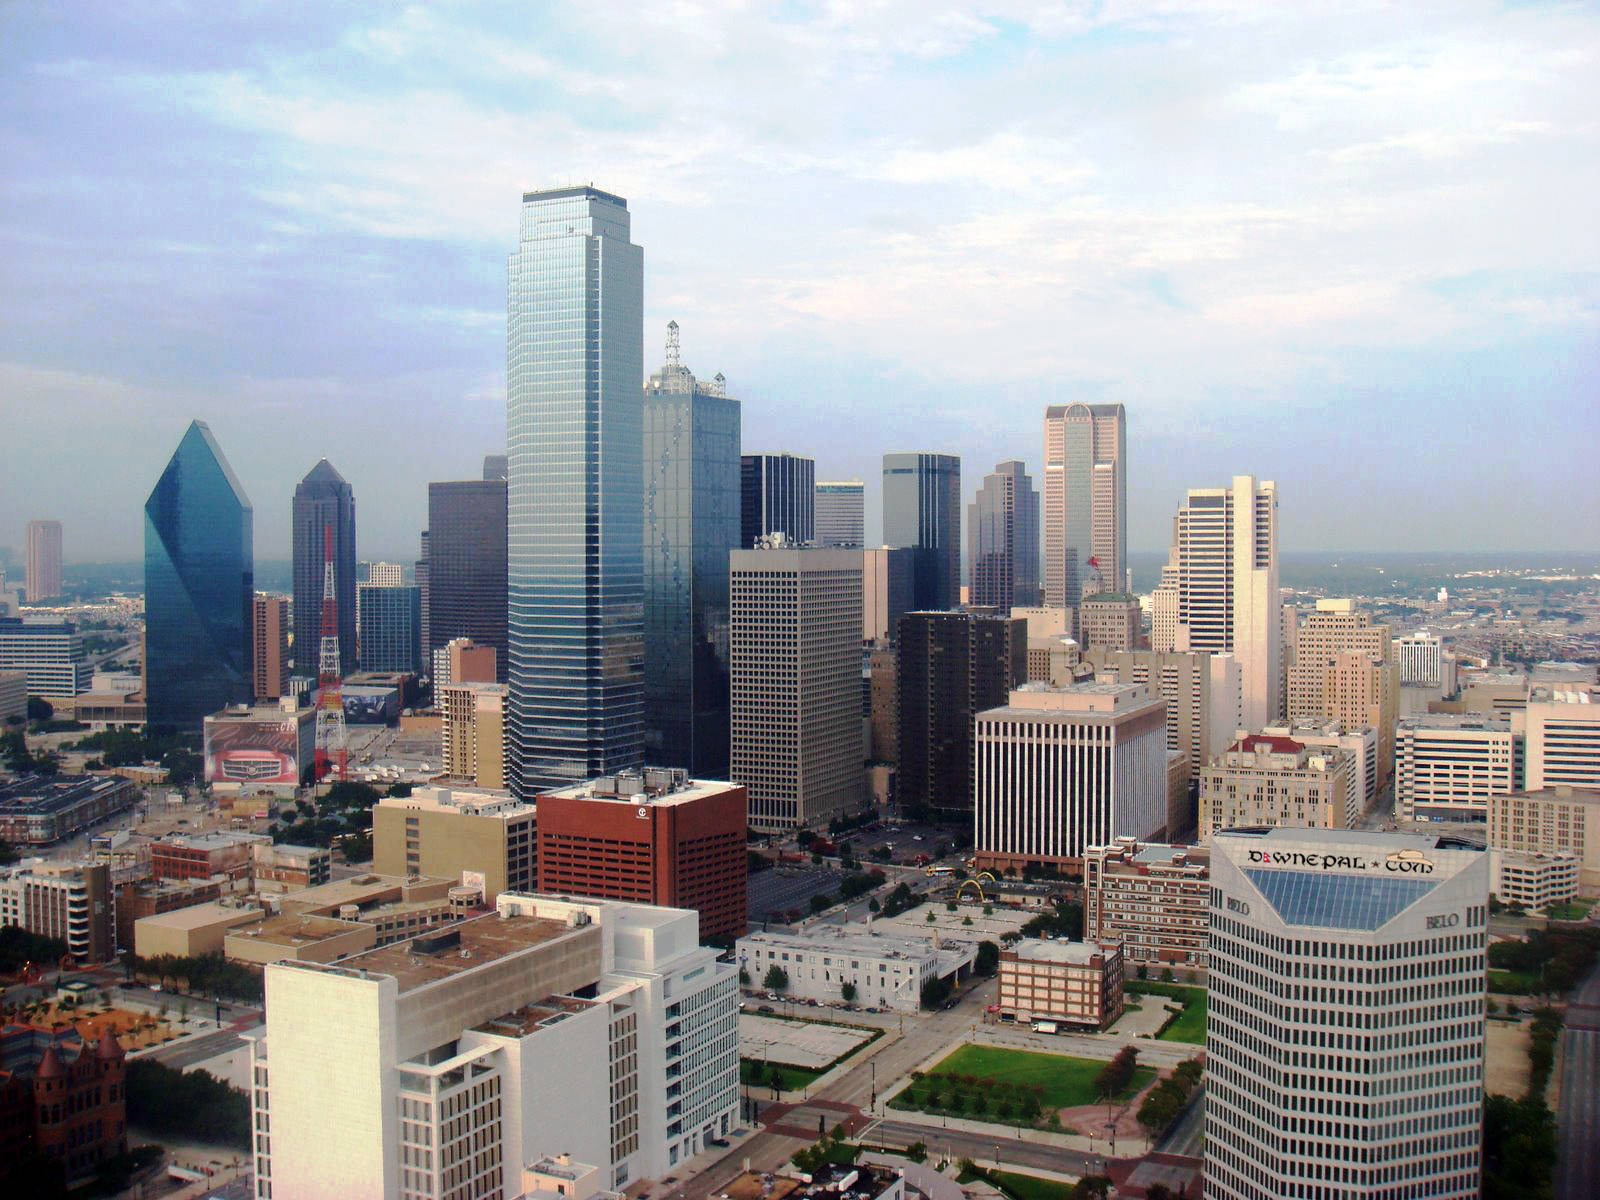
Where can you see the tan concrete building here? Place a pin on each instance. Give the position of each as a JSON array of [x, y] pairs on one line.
[[1153, 899], [1109, 621], [1265, 779], [1070, 983], [142, 898], [463, 660], [883, 719], [1557, 820], [299, 938], [1562, 738], [473, 733], [1359, 741], [69, 901], [270, 630], [287, 868], [192, 931], [1345, 670], [1204, 695], [1448, 766], [455, 833]]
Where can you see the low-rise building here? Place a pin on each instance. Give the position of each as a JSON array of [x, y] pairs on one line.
[[1554, 820], [267, 747], [1270, 780], [1533, 880], [828, 1182], [458, 833], [37, 810], [1152, 898], [203, 855], [287, 868], [1073, 983], [148, 898], [68, 901], [886, 972], [299, 938], [193, 930], [61, 1098], [101, 711]]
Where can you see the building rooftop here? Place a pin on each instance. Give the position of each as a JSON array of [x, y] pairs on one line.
[[21, 794], [1058, 950], [1089, 698], [848, 940], [465, 946], [859, 1182], [295, 930], [260, 712], [1463, 721], [216, 840], [653, 785], [539, 1015], [362, 890], [467, 801], [198, 916]]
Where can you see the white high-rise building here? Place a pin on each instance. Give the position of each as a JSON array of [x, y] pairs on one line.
[[439, 1067], [1225, 546], [794, 655], [1421, 659], [840, 518], [1345, 1034], [1448, 765], [1563, 738]]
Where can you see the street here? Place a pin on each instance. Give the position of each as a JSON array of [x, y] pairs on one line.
[[1578, 1119]]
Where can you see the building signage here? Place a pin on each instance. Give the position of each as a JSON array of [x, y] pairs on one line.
[[1401, 862], [1447, 921], [1238, 906], [643, 813]]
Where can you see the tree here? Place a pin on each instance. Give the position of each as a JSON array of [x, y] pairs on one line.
[[988, 960], [1117, 1074], [744, 976], [935, 992], [821, 901], [848, 991], [873, 905], [777, 979], [1519, 1149], [40, 709], [399, 789], [917, 1152], [186, 1104]]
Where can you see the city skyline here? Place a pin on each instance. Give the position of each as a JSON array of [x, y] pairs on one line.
[[1309, 291]]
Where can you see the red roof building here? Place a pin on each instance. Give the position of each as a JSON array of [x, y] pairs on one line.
[[60, 1097]]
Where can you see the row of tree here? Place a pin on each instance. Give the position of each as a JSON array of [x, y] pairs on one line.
[[1117, 1074], [205, 974], [189, 1105], [1168, 1098]]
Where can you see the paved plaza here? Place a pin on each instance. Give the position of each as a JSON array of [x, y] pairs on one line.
[[795, 1043]]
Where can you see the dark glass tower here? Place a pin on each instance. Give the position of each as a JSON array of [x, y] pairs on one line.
[[1003, 523], [777, 494], [922, 508], [198, 586], [322, 499], [574, 430], [691, 521], [950, 667], [466, 565]]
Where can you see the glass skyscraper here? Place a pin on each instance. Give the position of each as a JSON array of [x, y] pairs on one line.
[[199, 588], [691, 521], [777, 494], [922, 508], [464, 584], [323, 499], [574, 428], [391, 627], [1003, 523]]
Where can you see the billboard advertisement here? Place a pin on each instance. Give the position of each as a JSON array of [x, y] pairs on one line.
[[256, 750], [371, 705]]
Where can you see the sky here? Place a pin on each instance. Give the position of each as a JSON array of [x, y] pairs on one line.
[[1351, 247]]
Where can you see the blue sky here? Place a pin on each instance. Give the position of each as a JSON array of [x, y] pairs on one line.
[[1348, 246]]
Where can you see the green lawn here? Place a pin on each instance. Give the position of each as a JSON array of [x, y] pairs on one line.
[[1190, 1026], [1573, 910], [1514, 983], [1020, 1187], [759, 1074], [1067, 1082]]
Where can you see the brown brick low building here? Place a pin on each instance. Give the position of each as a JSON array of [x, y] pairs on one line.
[[653, 837], [60, 1097], [1073, 983]]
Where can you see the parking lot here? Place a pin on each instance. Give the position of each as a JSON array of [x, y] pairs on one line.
[[795, 1043], [773, 893]]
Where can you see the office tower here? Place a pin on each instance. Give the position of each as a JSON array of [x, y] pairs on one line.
[[950, 666], [421, 574], [1558, 820], [691, 522], [44, 560], [1345, 1034], [1085, 501], [464, 661], [380, 573], [1003, 529], [1344, 671], [922, 508], [353, 1097], [443, 832], [883, 705], [888, 589], [1059, 769], [496, 466], [13, 693], [1225, 544], [841, 514], [270, 629], [795, 661], [1448, 765], [575, 358], [1562, 739], [49, 653], [70, 901], [390, 616], [1268, 779], [1109, 621], [653, 837], [472, 732], [466, 562], [777, 494], [323, 500], [1202, 691], [198, 586], [1150, 897], [1164, 609]]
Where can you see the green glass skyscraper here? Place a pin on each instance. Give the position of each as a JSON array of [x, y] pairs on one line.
[[199, 586], [574, 423]]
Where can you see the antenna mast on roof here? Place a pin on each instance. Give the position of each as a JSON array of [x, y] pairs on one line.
[[672, 344]]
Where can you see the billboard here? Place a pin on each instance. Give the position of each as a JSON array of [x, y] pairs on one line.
[[371, 705], [250, 751]]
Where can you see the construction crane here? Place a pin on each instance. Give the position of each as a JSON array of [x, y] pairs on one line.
[[331, 745]]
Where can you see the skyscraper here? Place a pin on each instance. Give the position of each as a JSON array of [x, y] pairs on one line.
[[44, 560], [1085, 500], [841, 514], [1225, 550], [199, 571], [574, 430], [466, 565], [270, 630], [1003, 528], [1345, 1035], [391, 627], [323, 499], [777, 494], [691, 522], [922, 508]]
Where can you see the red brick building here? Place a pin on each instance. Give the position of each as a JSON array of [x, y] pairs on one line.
[[61, 1097], [202, 855], [653, 837]]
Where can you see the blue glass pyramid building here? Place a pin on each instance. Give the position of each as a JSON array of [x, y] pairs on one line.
[[198, 586]]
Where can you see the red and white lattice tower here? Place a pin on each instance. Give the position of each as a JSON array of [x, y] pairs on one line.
[[330, 680]]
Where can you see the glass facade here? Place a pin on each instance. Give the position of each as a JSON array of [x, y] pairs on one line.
[[574, 428], [391, 627], [1337, 901], [691, 522], [323, 499], [198, 586], [777, 494], [464, 584], [1004, 521], [922, 508]]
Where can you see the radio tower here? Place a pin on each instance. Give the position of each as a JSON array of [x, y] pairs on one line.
[[330, 684]]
